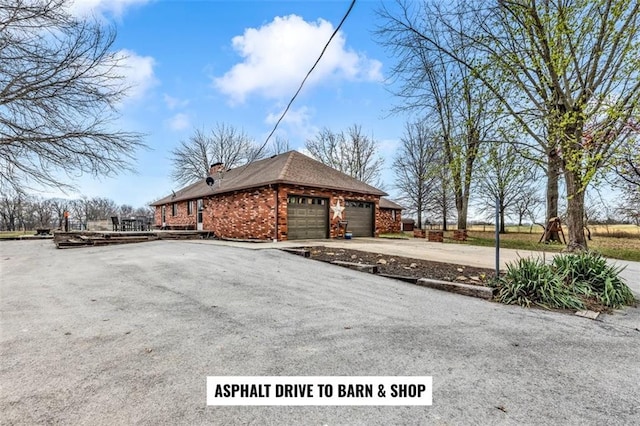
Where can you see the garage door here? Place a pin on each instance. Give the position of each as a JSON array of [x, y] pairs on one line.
[[307, 217], [360, 217]]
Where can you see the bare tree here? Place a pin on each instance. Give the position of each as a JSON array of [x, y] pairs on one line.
[[629, 207], [627, 163], [280, 145], [507, 177], [146, 211], [126, 210], [626, 177], [353, 153], [556, 66], [225, 144], [79, 211], [100, 208], [459, 108], [442, 203], [12, 209], [527, 203], [413, 166], [59, 206], [60, 83], [42, 212]]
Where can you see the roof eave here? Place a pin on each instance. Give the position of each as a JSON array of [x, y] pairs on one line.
[[218, 191]]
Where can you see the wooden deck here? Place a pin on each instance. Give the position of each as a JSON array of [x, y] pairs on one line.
[[101, 238]]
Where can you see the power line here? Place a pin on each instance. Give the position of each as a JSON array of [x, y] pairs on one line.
[[353, 2]]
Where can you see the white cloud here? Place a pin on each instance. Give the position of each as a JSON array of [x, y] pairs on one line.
[[137, 72], [173, 103], [98, 7], [179, 121], [298, 121], [300, 116], [277, 56]]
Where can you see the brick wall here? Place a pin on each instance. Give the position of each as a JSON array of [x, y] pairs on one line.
[[181, 218], [251, 214], [245, 215], [332, 195], [386, 222]]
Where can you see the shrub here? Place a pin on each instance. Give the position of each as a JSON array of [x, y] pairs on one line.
[[567, 282], [531, 281], [590, 274]]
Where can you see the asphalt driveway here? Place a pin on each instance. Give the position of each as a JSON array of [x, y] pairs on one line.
[[462, 254], [128, 334]]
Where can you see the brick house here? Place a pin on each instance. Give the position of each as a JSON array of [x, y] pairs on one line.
[[284, 197], [390, 216]]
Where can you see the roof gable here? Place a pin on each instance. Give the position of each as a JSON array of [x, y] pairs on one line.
[[291, 167]]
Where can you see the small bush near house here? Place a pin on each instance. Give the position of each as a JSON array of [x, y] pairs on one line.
[[571, 281]]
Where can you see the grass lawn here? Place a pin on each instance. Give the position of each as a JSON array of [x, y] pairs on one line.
[[397, 236], [13, 234], [613, 247], [613, 241]]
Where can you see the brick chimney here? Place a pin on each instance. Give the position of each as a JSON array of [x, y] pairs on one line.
[[216, 168]]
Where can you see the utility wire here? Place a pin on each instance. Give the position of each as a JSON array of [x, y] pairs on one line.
[[344, 18]]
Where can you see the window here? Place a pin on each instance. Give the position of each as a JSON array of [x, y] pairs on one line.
[[174, 209], [190, 207], [307, 200]]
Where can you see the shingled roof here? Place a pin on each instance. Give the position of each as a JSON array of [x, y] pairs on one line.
[[388, 204], [291, 168]]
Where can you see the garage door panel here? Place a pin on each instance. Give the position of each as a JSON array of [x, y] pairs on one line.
[[359, 215], [307, 218]]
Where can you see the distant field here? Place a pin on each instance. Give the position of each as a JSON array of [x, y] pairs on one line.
[[537, 229], [614, 247]]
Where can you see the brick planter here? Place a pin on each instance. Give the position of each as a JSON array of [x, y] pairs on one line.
[[418, 233], [460, 235], [436, 236]]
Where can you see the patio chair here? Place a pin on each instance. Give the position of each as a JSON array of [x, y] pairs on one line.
[[116, 223]]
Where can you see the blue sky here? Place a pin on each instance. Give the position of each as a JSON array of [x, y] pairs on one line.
[[193, 64]]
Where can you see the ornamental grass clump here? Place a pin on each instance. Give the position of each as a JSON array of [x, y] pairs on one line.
[[569, 282], [531, 281], [591, 275]]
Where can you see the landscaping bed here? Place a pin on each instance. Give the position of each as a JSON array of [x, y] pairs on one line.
[[406, 267], [573, 283]]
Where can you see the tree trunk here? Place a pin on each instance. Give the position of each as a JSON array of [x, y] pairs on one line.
[[575, 212], [462, 205], [502, 227], [444, 206], [553, 171]]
